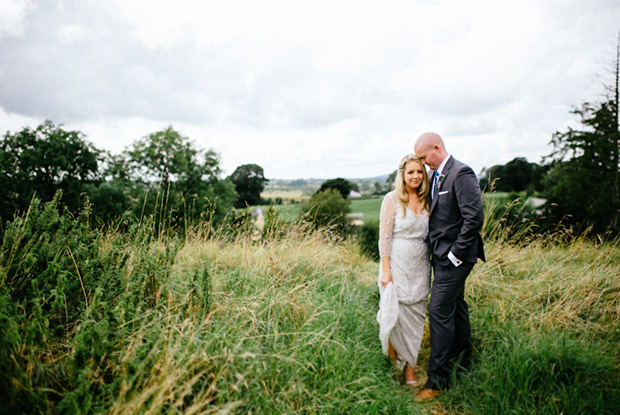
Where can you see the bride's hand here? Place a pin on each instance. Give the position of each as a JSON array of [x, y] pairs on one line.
[[386, 278]]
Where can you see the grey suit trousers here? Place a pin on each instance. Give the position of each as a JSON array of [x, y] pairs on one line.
[[449, 323]]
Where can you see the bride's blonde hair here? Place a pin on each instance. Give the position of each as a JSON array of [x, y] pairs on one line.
[[399, 183]]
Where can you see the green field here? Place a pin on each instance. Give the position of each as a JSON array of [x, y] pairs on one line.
[[369, 207], [111, 322], [289, 212], [296, 195]]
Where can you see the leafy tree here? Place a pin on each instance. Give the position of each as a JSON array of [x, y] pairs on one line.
[[249, 181], [168, 156], [174, 179], [378, 188], [342, 185], [582, 186], [581, 189], [112, 197], [515, 176], [41, 161], [327, 208]]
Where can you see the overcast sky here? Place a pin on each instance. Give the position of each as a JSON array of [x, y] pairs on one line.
[[307, 89]]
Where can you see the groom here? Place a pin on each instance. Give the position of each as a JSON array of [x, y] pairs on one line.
[[456, 217]]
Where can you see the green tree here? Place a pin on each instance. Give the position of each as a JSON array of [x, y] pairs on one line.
[[112, 197], [249, 181], [327, 208], [515, 176], [342, 185], [582, 185], [166, 156], [174, 179], [378, 188], [41, 161]]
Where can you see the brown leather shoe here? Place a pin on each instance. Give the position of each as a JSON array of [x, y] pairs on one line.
[[427, 395]]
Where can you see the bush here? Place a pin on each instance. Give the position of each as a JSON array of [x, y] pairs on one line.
[[368, 238], [327, 208], [70, 297]]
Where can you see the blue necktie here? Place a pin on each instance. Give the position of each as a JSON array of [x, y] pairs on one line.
[[435, 181]]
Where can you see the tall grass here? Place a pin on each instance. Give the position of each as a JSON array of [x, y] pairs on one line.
[[144, 322], [223, 321], [545, 312]]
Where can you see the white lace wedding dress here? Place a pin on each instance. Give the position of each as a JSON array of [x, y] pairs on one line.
[[402, 307]]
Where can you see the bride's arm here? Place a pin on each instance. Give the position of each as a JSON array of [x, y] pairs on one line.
[[386, 228]]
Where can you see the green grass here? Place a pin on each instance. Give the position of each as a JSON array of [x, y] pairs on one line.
[[134, 322], [212, 322], [289, 212], [545, 324], [369, 207]]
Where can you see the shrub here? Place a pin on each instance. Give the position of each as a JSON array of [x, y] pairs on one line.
[[368, 238], [327, 208], [70, 297]]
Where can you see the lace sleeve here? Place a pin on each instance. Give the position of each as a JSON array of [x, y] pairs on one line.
[[386, 226]]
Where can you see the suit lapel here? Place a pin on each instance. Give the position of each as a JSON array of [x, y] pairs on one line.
[[445, 173]]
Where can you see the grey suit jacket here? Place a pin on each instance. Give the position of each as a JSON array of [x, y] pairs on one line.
[[456, 215]]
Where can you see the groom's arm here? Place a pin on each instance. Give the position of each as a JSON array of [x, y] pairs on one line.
[[469, 200]]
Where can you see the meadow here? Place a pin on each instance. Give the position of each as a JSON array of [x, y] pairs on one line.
[[284, 194], [211, 321], [370, 207]]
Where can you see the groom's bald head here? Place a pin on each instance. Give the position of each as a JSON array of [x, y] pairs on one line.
[[430, 149], [429, 138]]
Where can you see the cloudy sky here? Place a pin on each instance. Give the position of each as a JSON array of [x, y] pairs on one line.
[[306, 89]]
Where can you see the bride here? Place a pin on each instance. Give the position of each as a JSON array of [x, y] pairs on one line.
[[404, 274]]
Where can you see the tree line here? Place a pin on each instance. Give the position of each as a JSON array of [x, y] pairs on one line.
[[162, 174], [165, 175]]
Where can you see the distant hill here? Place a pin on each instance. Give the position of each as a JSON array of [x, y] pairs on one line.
[[381, 178], [312, 181]]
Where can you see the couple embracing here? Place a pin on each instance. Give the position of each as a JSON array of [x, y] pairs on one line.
[[429, 221]]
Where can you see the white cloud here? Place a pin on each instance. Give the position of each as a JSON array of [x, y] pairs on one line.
[[12, 16], [72, 34], [315, 88]]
